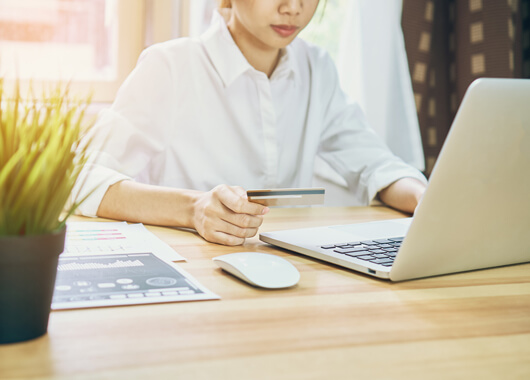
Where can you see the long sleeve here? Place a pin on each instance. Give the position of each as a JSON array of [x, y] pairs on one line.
[[351, 147], [132, 132]]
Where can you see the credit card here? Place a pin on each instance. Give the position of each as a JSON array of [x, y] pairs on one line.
[[287, 197]]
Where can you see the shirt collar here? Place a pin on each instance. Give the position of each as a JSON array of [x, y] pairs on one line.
[[228, 60], [286, 66]]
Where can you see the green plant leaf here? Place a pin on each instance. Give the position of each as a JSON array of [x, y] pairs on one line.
[[43, 148]]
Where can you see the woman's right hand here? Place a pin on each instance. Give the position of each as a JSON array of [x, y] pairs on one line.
[[224, 215]]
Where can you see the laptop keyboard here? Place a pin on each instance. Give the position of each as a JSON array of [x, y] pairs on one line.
[[379, 251]]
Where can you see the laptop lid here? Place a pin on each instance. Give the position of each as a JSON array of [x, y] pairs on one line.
[[477, 206], [476, 212]]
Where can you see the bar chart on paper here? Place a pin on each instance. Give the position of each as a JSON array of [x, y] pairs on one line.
[[123, 279], [96, 238], [98, 265], [85, 240]]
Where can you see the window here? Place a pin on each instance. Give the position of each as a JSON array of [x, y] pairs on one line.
[[326, 26], [93, 44]]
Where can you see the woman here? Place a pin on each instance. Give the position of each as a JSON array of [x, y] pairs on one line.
[[246, 104]]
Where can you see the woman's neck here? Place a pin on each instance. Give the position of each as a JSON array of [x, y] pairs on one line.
[[260, 56]]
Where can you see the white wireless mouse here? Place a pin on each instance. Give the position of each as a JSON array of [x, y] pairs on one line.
[[260, 269]]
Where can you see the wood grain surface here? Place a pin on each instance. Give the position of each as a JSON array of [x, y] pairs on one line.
[[335, 324]]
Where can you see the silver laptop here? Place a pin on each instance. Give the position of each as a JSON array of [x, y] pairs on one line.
[[475, 213]]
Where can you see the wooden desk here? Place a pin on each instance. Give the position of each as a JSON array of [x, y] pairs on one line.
[[335, 324]]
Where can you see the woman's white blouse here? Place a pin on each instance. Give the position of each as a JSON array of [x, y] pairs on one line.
[[194, 114]]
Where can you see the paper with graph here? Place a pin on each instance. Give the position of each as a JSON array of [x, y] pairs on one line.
[[101, 238], [122, 279]]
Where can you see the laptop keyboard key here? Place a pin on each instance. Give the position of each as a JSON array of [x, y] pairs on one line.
[[359, 253], [379, 261], [349, 250], [378, 251], [366, 257], [368, 242], [383, 241]]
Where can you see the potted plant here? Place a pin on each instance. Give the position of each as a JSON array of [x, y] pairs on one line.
[[43, 147]]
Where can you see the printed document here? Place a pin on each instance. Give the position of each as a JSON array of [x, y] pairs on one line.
[[101, 238]]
